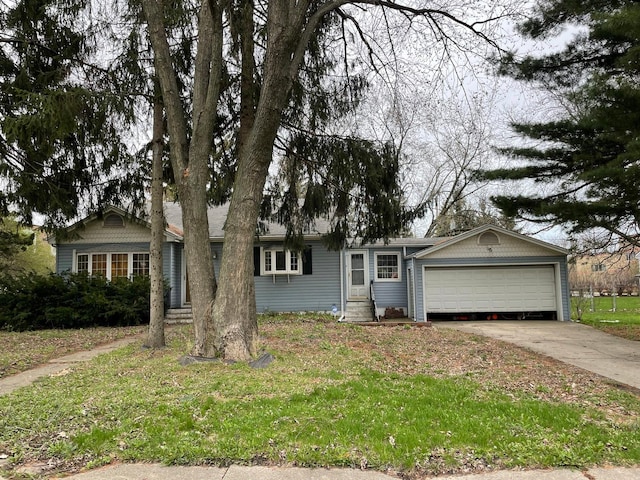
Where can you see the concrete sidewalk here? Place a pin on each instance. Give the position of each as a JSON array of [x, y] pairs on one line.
[[580, 345], [57, 365], [235, 472]]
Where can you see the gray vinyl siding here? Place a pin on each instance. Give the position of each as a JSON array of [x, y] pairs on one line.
[[109, 247], [64, 258], [300, 293], [172, 268], [561, 261], [389, 293]]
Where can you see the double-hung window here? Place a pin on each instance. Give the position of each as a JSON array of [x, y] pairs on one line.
[[140, 264], [99, 265], [279, 261], [119, 265], [387, 267]]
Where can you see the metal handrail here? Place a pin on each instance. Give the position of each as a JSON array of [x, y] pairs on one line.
[[374, 306]]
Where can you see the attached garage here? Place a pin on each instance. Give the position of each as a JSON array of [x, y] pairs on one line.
[[492, 273], [515, 291]]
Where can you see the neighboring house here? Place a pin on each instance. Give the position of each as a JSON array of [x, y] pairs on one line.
[[488, 272], [605, 272]]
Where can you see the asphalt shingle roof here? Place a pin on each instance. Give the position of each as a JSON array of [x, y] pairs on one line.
[[217, 215]]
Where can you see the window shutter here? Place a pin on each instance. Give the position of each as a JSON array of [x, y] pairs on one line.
[[256, 261], [307, 264]]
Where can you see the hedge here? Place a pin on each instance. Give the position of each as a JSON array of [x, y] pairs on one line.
[[34, 302]]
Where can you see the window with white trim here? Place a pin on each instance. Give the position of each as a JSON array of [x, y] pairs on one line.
[[82, 263], [119, 265], [99, 265], [387, 267], [140, 264], [113, 265], [279, 261]]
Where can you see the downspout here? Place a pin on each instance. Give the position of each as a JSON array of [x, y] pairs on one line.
[[413, 284], [415, 288], [424, 300], [342, 306]]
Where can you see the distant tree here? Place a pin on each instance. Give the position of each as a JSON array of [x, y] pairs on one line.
[[14, 237], [584, 167], [463, 216], [23, 249], [458, 143]]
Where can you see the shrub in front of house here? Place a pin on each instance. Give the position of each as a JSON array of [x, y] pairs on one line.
[[35, 302]]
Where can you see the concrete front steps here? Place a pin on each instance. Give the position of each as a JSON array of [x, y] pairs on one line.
[[178, 315], [359, 311]]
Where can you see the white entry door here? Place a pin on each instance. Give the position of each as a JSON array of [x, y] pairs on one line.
[[358, 265]]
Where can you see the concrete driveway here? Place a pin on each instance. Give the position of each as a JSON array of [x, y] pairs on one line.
[[573, 343]]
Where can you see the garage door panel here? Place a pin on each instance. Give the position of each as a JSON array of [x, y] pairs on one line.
[[484, 289]]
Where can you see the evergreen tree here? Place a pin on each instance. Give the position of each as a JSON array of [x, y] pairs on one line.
[[586, 165], [61, 119]]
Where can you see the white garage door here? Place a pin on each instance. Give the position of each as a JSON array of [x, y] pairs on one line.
[[490, 289]]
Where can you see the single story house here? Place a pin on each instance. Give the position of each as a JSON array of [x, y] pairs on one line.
[[484, 273]]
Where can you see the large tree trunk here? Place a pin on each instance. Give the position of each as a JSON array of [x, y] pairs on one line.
[[232, 332], [190, 152], [202, 283], [234, 313], [155, 338]]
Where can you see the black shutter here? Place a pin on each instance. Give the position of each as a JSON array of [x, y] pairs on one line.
[[307, 264], [256, 261]]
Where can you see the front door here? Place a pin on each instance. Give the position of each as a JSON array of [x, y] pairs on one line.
[[358, 265]]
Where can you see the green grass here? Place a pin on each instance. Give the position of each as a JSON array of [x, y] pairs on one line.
[[20, 351], [624, 321], [336, 396]]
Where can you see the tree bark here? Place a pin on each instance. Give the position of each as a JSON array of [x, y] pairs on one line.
[[190, 156], [234, 313], [155, 338]]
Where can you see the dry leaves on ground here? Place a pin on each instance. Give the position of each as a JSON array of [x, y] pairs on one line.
[[21, 351], [494, 364]]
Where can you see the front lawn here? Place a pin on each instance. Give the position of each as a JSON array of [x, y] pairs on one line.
[[415, 400], [20, 351], [624, 321]]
